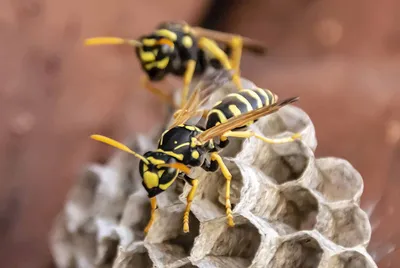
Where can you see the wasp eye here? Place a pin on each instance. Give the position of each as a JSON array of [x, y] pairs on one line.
[[166, 49]]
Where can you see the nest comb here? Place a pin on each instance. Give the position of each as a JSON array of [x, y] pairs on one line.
[[290, 209]]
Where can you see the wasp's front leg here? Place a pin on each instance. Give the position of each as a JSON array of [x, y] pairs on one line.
[[156, 91], [153, 202], [212, 48], [189, 200]]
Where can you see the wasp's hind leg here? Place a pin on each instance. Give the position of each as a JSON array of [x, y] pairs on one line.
[[212, 48], [153, 202], [189, 200], [158, 92], [217, 160]]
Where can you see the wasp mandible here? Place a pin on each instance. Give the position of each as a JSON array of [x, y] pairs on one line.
[[182, 146], [179, 49]]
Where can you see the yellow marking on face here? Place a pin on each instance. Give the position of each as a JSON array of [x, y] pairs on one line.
[[147, 55], [149, 42], [150, 179], [221, 115], [167, 33], [187, 41], [234, 110], [181, 145], [175, 142], [242, 99], [161, 64], [160, 173], [150, 65], [195, 154], [145, 168], [177, 156], [255, 96], [168, 184], [155, 161]]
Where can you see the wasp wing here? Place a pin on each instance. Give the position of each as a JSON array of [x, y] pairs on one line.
[[206, 86], [250, 44], [188, 110], [242, 119]]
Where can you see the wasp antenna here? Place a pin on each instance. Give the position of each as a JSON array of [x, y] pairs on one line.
[[118, 145], [110, 41], [179, 166]]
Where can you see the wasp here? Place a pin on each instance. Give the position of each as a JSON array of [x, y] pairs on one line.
[[184, 146], [184, 51]]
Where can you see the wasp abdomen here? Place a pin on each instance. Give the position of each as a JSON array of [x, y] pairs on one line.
[[239, 103]]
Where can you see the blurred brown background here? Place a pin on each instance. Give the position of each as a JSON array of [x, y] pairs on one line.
[[341, 57]]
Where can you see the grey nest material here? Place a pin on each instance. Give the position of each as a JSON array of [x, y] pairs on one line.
[[290, 209]]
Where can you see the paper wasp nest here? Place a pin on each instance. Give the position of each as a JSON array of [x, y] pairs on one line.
[[290, 209]]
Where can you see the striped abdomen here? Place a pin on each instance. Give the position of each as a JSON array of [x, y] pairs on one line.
[[239, 103]]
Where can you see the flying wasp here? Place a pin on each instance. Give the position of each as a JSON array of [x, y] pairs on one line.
[[179, 49], [182, 146]]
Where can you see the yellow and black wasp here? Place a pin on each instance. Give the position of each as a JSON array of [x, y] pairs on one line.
[[182, 146], [184, 51]]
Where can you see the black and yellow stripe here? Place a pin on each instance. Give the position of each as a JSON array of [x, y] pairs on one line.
[[239, 103]]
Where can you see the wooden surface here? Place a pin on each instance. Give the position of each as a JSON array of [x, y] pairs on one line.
[[342, 58]]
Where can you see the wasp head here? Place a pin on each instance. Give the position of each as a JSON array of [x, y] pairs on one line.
[[155, 54], [159, 172]]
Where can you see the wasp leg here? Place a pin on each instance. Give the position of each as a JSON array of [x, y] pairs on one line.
[[210, 46], [187, 78], [153, 202], [211, 166], [158, 92], [248, 134], [236, 45], [223, 142], [216, 157], [189, 199]]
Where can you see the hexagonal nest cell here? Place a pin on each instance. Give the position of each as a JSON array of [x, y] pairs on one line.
[[350, 259], [290, 209], [226, 245], [241, 242], [300, 251]]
